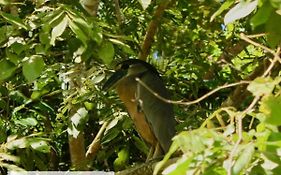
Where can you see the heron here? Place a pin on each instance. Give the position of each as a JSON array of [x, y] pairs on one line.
[[153, 118]]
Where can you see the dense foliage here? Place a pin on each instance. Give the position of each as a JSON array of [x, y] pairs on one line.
[[56, 55]]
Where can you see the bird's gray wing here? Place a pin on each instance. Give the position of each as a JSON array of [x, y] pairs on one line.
[[158, 113]]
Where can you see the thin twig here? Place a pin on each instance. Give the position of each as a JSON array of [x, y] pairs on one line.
[[275, 59], [240, 132], [247, 39], [256, 35], [190, 102]]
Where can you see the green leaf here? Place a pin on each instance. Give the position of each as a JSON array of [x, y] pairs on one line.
[[273, 27], [145, 3], [110, 135], [244, 159], [97, 35], [5, 156], [18, 47], [39, 145], [106, 52], [79, 26], [33, 67], [7, 69], [124, 46], [58, 30], [190, 141], [15, 20], [121, 161], [276, 3], [13, 58], [173, 148], [27, 121], [179, 168], [18, 143], [240, 10], [223, 7], [79, 32], [89, 105], [140, 145], [261, 16], [97, 79], [270, 106], [52, 19], [262, 86]]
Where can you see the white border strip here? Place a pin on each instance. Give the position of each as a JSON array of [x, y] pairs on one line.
[[59, 173]]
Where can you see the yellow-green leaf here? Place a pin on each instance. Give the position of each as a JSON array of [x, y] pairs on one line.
[[270, 106]]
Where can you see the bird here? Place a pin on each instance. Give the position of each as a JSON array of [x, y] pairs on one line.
[[153, 118]]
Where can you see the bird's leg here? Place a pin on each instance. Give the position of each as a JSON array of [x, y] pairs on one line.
[[139, 102], [150, 153], [157, 151]]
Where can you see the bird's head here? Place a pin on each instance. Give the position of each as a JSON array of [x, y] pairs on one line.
[[131, 67]]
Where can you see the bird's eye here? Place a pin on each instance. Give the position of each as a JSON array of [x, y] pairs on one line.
[[125, 66]]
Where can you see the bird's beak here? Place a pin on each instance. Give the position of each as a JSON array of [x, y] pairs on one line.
[[112, 81]]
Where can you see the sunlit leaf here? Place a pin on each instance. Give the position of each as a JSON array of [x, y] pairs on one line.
[[40, 145], [180, 167], [262, 86], [27, 121], [58, 30], [222, 8], [5, 2], [15, 20], [144, 3], [173, 148], [190, 141], [33, 67], [243, 159], [97, 79], [18, 143], [89, 106], [122, 159], [79, 117], [126, 48], [73, 131], [110, 135], [270, 106], [113, 123], [8, 157], [106, 52], [240, 10]]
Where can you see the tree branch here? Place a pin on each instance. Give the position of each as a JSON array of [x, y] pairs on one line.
[[152, 28], [119, 15], [145, 168], [181, 102], [95, 145]]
